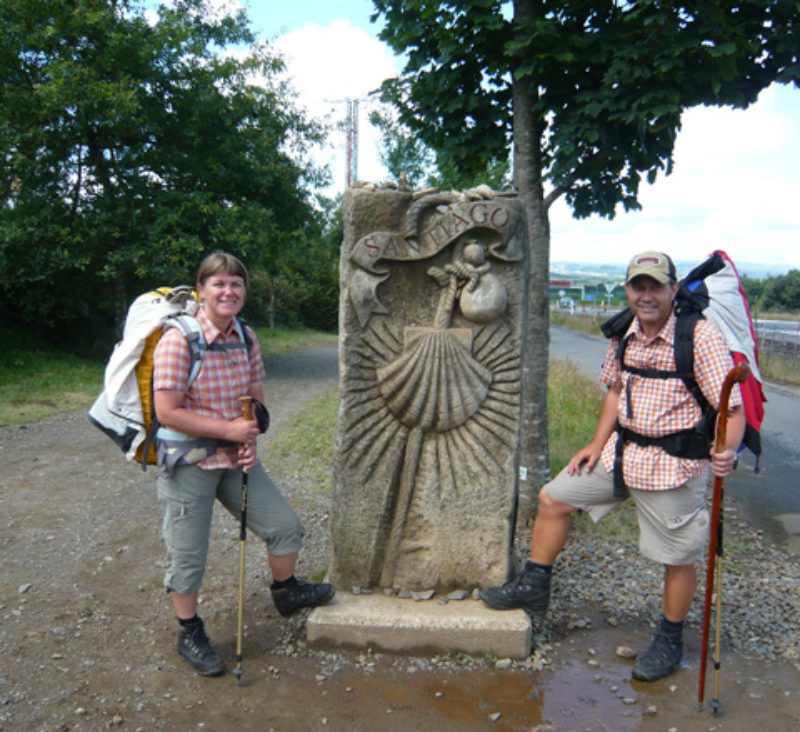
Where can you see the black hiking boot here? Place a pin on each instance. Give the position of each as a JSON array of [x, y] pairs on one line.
[[194, 646], [529, 591], [301, 594], [660, 660]]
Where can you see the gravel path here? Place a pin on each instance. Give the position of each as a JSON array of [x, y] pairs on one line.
[[87, 638]]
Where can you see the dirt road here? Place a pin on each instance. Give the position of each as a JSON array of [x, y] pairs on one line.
[[87, 639]]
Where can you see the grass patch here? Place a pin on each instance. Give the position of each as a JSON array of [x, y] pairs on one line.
[[585, 323], [779, 366], [573, 407], [37, 382], [305, 445], [274, 342]]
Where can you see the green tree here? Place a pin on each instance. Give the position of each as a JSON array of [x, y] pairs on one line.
[[589, 93], [130, 150], [782, 293], [405, 155], [753, 289]]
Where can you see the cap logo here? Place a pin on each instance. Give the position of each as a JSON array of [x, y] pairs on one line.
[[648, 260]]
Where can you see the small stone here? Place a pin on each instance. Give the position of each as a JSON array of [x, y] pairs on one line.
[[626, 652], [502, 663], [628, 700], [612, 621], [438, 694], [422, 595], [24, 588], [356, 590], [673, 688], [651, 709], [494, 716], [404, 594], [458, 595], [593, 662]]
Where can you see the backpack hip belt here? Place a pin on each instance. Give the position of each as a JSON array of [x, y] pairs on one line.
[[693, 444]]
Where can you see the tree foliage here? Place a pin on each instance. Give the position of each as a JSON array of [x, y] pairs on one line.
[[130, 149], [406, 156], [782, 294], [589, 93]]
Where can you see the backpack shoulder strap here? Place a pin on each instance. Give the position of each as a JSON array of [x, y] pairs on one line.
[[196, 340], [241, 327], [684, 354], [621, 346]]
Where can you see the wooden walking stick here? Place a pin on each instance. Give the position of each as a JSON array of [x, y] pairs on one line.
[[247, 413], [737, 375]]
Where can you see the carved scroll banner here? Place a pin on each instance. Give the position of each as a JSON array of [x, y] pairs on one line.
[[425, 464]]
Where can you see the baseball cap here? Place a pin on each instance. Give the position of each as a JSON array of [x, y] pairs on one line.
[[653, 264]]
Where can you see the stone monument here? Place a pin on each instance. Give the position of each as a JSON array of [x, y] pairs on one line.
[[431, 315]]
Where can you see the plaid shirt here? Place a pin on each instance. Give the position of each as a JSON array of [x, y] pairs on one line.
[[663, 406], [223, 377]]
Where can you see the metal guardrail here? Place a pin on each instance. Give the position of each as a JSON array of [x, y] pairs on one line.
[[786, 332]]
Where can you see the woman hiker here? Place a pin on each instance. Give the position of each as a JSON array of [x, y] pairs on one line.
[[205, 445]]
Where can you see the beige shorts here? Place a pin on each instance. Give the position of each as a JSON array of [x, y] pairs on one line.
[[673, 524]]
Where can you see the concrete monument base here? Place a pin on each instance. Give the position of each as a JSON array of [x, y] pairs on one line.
[[402, 625]]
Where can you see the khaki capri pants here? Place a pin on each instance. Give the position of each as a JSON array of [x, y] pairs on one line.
[[187, 503], [673, 524]]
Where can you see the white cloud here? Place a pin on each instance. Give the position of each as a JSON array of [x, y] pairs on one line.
[[734, 187], [327, 65]]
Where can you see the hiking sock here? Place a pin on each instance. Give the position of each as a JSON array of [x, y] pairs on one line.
[[280, 584], [532, 567], [191, 623], [673, 631]]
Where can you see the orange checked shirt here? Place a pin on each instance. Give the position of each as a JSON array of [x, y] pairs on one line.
[[663, 406], [223, 377]]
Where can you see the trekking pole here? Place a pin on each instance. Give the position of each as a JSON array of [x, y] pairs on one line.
[[737, 375], [247, 413]]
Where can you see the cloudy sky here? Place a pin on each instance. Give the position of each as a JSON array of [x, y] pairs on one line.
[[735, 185]]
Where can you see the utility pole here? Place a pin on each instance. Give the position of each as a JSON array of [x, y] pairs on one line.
[[351, 133], [352, 142]]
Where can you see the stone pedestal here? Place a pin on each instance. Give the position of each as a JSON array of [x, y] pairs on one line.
[[403, 625]]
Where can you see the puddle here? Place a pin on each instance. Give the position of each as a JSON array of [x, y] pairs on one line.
[[588, 687]]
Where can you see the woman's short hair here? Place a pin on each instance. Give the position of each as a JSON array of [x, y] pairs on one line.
[[220, 261]]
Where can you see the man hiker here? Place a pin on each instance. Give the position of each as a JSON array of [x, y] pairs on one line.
[[204, 444], [645, 427]]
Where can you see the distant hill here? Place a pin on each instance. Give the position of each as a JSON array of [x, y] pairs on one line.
[[615, 272]]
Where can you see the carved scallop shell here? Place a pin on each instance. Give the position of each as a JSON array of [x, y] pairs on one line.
[[435, 384]]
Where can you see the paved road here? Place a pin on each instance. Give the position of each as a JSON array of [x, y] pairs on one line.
[[771, 496]]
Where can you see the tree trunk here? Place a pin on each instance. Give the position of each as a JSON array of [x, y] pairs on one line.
[[120, 302], [271, 305], [534, 460]]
